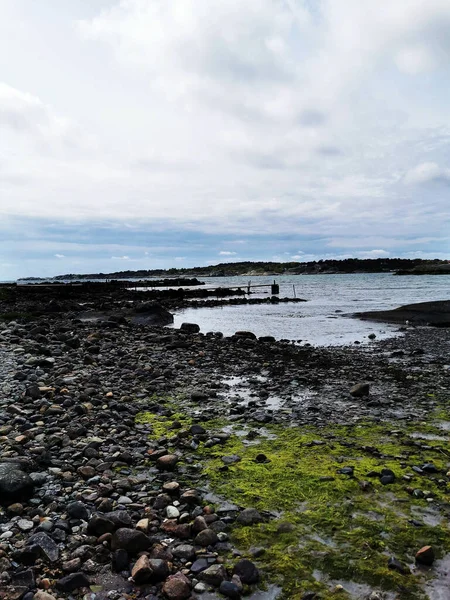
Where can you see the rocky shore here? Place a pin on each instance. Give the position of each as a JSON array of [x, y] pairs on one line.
[[138, 461]]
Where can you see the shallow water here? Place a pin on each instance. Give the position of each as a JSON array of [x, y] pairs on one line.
[[323, 320], [439, 587]]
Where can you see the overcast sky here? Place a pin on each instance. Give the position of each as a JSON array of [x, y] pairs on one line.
[[159, 133]]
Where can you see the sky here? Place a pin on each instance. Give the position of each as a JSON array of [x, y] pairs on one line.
[[142, 134]]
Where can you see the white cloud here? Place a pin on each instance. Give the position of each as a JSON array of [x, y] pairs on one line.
[[60, 256], [120, 257], [374, 254], [428, 172], [227, 253]]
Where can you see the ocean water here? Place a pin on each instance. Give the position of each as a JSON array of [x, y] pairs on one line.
[[325, 319]]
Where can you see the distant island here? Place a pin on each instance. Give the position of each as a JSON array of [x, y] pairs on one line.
[[399, 266]]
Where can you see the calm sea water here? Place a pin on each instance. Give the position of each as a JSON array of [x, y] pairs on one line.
[[324, 320]]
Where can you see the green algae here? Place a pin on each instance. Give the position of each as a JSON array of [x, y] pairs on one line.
[[332, 515], [343, 528]]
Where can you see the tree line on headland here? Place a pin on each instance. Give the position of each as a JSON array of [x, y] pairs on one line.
[[250, 268]]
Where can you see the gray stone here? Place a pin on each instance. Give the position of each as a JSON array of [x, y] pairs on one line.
[[46, 545], [207, 537], [185, 551], [249, 516], [214, 575]]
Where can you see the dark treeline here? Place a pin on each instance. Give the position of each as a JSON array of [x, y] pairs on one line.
[[348, 265]]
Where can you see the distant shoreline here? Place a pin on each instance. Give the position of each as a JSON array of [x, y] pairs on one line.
[[399, 266]]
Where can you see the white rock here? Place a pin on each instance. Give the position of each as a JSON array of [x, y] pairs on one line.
[[25, 525], [172, 512]]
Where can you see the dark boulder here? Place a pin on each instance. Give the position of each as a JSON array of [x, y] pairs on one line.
[[190, 327], [131, 540], [152, 313], [73, 582], [15, 484], [247, 571]]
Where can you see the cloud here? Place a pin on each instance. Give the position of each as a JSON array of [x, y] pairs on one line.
[[25, 115], [227, 253], [374, 254], [120, 257], [278, 118], [60, 255], [428, 173]]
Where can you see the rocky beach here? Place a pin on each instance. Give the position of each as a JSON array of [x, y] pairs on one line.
[[144, 462]]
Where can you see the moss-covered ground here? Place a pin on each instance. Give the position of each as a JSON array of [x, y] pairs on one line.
[[324, 528]]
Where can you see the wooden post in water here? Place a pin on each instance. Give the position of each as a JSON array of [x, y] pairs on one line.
[[295, 295], [275, 288]]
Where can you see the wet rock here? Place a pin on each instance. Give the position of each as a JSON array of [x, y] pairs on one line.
[[120, 560], [190, 327], [25, 525], [430, 468], [387, 476], [152, 313], [207, 537], [177, 587], [214, 575], [15, 484], [78, 510], [190, 497], [98, 525], [197, 430], [199, 565], [172, 512], [199, 524], [184, 551], [131, 540], [70, 566], [359, 390], [171, 487], [47, 547], [347, 471], [41, 595], [120, 518], [425, 556], [249, 516], [396, 565], [142, 570], [72, 582], [232, 459], [247, 571], [249, 335], [167, 462], [229, 589]]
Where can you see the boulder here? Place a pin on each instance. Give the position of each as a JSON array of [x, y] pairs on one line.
[[190, 327], [207, 537], [177, 587], [15, 484], [213, 575], [72, 582], [152, 313], [131, 540], [425, 556], [359, 390], [247, 571], [249, 516]]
